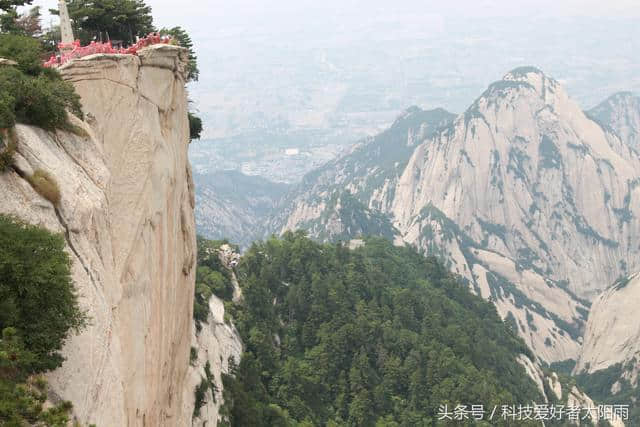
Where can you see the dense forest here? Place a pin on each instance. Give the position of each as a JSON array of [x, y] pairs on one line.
[[376, 336]]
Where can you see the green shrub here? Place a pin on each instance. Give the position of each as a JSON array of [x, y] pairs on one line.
[[200, 394], [26, 51], [43, 102], [37, 297], [193, 356], [78, 130], [212, 278], [195, 126], [22, 398], [7, 110], [207, 383], [45, 185], [38, 310], [32, 94]]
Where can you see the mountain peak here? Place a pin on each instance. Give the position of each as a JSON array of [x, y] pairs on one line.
[[520, 73], [529, 84], [623, 95], [532, 76]]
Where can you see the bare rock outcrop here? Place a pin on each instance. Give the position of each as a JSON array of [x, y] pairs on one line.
[[620, 114], [612, 335]]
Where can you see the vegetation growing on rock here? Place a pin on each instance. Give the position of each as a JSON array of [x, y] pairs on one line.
[[212, 278], [7, 149], [32, 94], [45, 185]]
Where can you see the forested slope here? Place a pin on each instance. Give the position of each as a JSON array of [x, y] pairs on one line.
[[378, 335]]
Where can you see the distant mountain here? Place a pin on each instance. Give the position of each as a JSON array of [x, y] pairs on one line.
[[620, 113], [232, 205], [368, 174], [524, 195]]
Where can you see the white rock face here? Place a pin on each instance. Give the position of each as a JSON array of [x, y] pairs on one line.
[[620, 114], [613, 331], [127, 215], [527, 160], [524, 195], [216, 343]]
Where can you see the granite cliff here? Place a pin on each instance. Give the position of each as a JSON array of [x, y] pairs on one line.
[[126, 211]]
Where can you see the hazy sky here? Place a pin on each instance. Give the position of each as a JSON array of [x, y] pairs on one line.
[[242, 44], [194, 14]]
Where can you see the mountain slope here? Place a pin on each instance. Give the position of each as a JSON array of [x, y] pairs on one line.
[[620, 113], [609, 364], [369, 173], [232, 205], [612, 335], [378, 335], [530, 200]]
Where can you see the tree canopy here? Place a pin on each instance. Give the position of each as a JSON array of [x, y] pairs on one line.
[[110, 19], [184, 40], [373, 336], [37, 297], [38, 310], [7, 5]]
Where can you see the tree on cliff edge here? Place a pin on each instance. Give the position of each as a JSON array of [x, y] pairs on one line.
[[8, 5], [115, 19], [183, 39]]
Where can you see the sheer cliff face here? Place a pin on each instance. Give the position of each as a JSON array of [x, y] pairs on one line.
[[612, 335], [127, 214], [530, 200]]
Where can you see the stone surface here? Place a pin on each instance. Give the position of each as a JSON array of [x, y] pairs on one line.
[[127, 215], [612, 335], [620, 114], [7, 62], [216, 343]]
